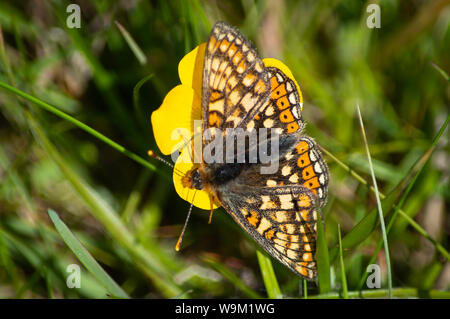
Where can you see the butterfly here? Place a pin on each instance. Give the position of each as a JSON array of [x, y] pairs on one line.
[[278, 210]]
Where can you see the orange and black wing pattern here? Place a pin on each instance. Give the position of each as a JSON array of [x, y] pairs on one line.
[[279, 210], [283, 220], [282, 110], [301, 164], [235, 81]]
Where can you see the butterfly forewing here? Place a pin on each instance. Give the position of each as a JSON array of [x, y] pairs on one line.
[[282, 110], [235, 81]]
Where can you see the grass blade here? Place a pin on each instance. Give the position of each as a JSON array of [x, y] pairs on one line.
[[341, 260], [140, 56], [75, 122], [151, 265], [142, 118], [406, 292], [417, 167], [380, 209], [85, 257], [322, 257], [365, 227], [269, 278], [305, 289], [230, 276], [442, 72]]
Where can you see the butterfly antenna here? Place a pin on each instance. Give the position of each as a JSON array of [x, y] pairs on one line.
[[180, 239], [159, 158]]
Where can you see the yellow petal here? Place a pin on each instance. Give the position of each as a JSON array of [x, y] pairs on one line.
[[173, 122], [269, 62], [183, 165], [190, 68]]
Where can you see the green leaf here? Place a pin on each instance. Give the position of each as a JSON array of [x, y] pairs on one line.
[[269, 278], [322, 257], [85, 257]]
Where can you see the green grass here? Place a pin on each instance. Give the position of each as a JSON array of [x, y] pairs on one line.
[[85, 258], [380, 216], [75, 109]]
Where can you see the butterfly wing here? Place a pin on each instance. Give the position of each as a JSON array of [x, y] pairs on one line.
[[282, 219], [300, 160], [277, 210], [235, 81], [300, 163], [282, 111]]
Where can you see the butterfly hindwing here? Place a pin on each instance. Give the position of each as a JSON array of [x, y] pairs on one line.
[[283, 220], [298, 164]]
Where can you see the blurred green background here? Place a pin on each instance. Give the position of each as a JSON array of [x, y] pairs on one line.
[[129, 216]]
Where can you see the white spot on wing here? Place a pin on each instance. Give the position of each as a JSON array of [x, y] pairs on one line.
[[215, 64], [271, 183], [286, 201], [279, 78], [319, 190], [268, 123], [289, 155], [286, 170], [313, 155], [295, 112], [322, 179], [294, 178], [292, 98], [251, 57], [269, 110], [288, 87], [317, 168]]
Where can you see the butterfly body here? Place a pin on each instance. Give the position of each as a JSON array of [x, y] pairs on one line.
[[277, 209]]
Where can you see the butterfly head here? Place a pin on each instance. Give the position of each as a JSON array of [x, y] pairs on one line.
[[193, 179]]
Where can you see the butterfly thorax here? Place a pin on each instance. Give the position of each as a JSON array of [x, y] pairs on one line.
[[212, 176]]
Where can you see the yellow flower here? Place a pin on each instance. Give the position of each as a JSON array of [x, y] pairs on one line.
[[173, 121]]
